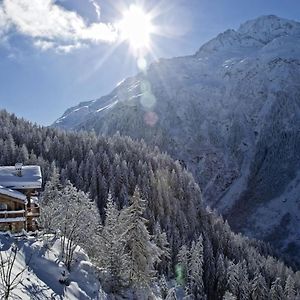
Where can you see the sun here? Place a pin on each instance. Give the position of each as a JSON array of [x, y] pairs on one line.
[[136, 27]]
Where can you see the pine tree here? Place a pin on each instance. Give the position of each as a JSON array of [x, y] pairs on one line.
[[233, 278], [171, 294], [112, 256], [229, 296], [289, 290], [259, 289], [209, 267], [244, 284], [276, 292], [195, 270], [142, 252], [164, 290], [23, 155], [182, 266], [161, 240], [51, 205], [221, 276]]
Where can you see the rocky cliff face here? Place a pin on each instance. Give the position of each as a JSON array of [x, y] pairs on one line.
[[231, 114]]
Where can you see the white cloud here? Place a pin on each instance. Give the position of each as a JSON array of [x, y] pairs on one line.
[[52, 26], [4, 24], [44, 45], [69, 48], [97, 8]]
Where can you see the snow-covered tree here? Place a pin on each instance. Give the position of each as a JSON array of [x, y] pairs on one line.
[[111, 247], [233, 278], [51, 204], [163, 286], [229, 296], [70, 214], [289, 289], [78, 223], [209, 269], [142, 252], [161, 240], [221, 276], [183, 258], [171, 294], [195, 285], [276, 292], [259, 289]]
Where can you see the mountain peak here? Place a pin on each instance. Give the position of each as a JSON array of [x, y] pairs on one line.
[[266, 28], [251, 34]]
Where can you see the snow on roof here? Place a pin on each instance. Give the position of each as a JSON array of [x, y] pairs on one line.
[[11, 193], [31, 177]]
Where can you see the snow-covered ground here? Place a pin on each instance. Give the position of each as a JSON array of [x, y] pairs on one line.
[[45, 268]]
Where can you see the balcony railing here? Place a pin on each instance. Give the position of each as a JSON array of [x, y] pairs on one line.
[[33, 211], [7, 216]]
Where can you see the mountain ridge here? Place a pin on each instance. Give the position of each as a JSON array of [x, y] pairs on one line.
[[229, 113]]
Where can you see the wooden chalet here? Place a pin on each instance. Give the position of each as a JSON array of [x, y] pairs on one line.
[[19, 187]]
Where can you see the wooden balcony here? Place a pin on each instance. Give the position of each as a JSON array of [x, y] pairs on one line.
[[12, 216], [33, 211]]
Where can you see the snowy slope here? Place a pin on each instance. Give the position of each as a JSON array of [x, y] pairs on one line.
[[231, 114], [41, 279]]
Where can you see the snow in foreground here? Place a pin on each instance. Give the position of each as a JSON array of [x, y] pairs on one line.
[[41, 279]]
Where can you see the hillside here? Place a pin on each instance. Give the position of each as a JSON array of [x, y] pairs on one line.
[[230, 114], [43, 269], [206, 257]]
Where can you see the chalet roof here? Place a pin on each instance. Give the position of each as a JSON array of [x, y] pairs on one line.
[[31, 177], [11, 193]]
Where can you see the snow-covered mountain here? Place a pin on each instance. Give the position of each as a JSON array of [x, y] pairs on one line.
[[231, 114]]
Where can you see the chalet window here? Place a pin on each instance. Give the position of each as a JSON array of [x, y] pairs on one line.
[[3, 206]]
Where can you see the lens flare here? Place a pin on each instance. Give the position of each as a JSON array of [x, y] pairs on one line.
[[150, 118], [136, 27], [147, 98], [142, 63]]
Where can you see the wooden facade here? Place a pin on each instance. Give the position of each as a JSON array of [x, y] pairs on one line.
[[12, 214], [19, 209], [17, 215]]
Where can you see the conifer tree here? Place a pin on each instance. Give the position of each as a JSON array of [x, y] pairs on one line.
[[142, 252], [164, 290], [233, 278], [259, 289], [229, 296], [182, 266], [161, 240], [112, 256], [51, 204], [171, 294], [221, 276], [289, 289], [195, 270], [276, 292]]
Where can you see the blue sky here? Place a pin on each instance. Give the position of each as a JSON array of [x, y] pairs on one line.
[[51, 60]]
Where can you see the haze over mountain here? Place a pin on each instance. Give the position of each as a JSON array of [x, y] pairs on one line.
[[231, 114]]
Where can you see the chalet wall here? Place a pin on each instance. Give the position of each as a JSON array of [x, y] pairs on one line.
[[12, 204], [12, 227]]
